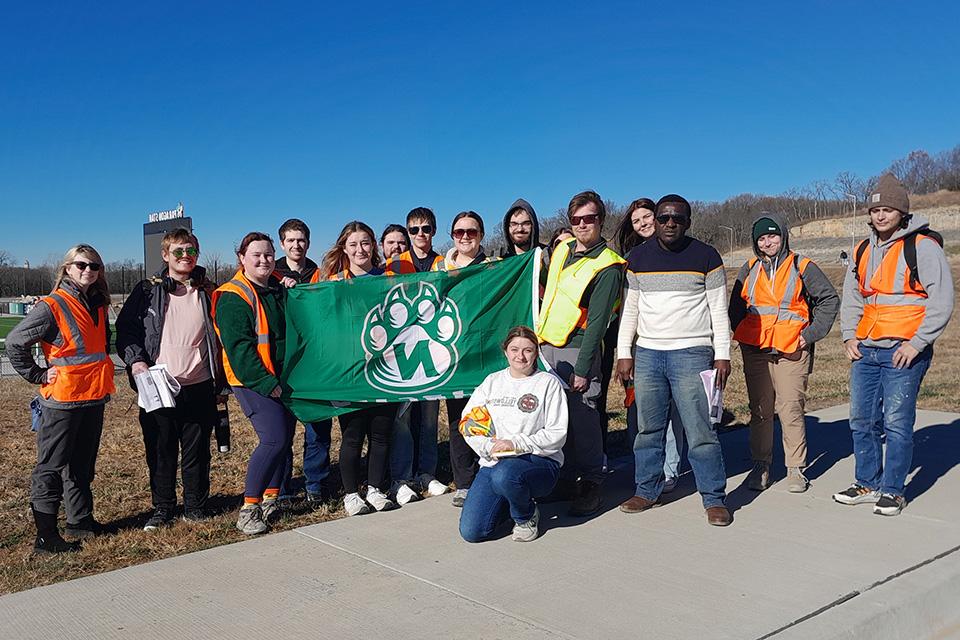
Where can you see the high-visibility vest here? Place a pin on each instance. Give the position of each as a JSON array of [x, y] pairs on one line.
[[560, 312], [776, 311], [315, 276], [403, 263], [84, 370], [241, 286], [892, 306]]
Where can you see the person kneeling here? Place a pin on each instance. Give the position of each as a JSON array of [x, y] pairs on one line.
[[516, 421]]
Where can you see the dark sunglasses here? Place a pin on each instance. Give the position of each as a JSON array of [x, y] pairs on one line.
[[190, 251], [83, 266], [679, 218], [590, 218], [469, 234], [425, 228]]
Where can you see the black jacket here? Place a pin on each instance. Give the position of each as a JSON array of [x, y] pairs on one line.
[[140, 324]]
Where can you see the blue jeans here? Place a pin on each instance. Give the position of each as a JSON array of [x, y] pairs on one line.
[[662, 376], [316, 453], [675, 439], [404, 446], [511, 484], [879, 390]]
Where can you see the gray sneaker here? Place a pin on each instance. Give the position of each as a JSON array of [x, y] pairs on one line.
[[857, 494], [459, 497], [527, 531], [759, 478], [269, 509], [251, 521], [796, 481]]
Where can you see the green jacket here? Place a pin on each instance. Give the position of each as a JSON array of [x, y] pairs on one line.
[[237, 334]]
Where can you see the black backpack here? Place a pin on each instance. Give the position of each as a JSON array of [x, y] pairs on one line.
[[909, 252]]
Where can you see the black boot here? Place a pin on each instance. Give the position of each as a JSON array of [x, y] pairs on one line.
[[87, 527], [588, 500], [48, 539]]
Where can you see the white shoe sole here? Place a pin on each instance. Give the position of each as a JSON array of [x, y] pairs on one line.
[[437, 488], [866, 499]]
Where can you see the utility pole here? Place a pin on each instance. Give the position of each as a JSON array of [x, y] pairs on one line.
[[730, 229], [853, 223]]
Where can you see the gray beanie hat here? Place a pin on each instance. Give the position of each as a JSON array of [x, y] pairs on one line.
[[890, 192]]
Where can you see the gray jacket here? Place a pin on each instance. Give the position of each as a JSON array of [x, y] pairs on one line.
[[822, 299], [935, 276], [40, 325]]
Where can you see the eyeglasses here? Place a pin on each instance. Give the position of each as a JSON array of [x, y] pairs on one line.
[[526, 224], [425, 228], [469, 234], [190, 251], [679, 218], [589, 219], [83, 266]]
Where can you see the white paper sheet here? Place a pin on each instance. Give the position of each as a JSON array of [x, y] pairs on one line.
[[714, 394], [156, 389]]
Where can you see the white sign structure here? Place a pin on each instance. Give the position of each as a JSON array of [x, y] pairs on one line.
[[166, 215]]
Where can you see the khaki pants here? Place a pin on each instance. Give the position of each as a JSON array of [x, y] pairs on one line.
[[776, 382]]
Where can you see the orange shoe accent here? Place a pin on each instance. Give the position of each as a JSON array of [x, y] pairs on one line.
[[271, 493], [248, 500]]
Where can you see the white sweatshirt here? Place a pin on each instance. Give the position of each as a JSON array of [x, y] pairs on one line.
[[531, 412]]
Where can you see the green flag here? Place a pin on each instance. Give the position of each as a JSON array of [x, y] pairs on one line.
[[415, 336]]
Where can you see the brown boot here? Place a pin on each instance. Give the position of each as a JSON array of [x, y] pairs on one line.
[[719, 516], [636, 504]]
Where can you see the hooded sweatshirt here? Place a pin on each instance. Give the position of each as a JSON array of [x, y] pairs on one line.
[[822, 298], [935, 276], [509, 248]]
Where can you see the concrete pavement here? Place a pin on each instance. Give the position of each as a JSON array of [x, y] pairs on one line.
[[790, 566]]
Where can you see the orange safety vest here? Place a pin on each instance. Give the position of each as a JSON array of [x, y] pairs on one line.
[[776, 311], [560, 312], [892, 307], [315, 278], [84, 370], [241, 286], [403, 263]]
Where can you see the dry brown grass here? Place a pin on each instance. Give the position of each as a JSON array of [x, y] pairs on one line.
[[942, 198], [121, 488]]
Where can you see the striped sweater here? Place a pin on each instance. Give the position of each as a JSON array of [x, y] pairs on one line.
[[674, 300]]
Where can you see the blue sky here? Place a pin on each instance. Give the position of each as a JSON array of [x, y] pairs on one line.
[[250, 113]]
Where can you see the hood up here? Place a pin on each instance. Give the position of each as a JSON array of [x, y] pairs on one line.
[[509, 249]]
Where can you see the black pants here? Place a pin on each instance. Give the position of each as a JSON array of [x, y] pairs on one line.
[[609, 347], [67, 445], [184, 430], [463, 460], [376, 424]]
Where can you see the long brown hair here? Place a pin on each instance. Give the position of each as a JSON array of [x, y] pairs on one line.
[[88, 252], [335, 260]]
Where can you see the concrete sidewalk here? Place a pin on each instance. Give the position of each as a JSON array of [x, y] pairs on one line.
[[790, 566]]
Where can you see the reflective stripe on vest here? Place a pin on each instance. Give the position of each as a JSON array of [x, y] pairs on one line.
[[561, 313], [242, 287], [892, 307], [84, 372], [776, 311]]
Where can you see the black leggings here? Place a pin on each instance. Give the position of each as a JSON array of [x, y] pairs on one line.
[[376, 423], [463, 460]]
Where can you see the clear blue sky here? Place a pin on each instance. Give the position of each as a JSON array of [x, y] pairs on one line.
[[253, 112]]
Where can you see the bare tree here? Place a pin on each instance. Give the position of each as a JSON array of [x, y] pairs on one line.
[[6, 258]]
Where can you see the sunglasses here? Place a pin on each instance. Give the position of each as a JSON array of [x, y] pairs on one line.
[[679, 218], [469, 234], [190, 251], [590, 218], [425, 228], [83, 266]]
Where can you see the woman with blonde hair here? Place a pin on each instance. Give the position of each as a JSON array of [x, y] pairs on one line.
[[355, 255], [76, 380]]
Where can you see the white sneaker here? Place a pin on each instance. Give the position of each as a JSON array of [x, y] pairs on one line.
[[378, 500], [432, 486], [354, 505], [527, 531], [405, 494]]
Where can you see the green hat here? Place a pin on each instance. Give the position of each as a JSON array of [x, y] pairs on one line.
[[763, 226]]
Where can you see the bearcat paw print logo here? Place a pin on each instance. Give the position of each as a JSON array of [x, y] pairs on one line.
[[410, 340]]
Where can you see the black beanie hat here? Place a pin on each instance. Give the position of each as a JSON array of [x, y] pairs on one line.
[[674, 199], [763, 226]]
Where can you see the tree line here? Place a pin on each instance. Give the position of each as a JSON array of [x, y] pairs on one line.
[[724, 224]]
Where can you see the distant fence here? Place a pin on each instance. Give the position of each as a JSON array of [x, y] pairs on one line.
[[6, 369]]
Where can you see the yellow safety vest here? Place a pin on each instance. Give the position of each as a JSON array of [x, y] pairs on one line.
[[560, 312]]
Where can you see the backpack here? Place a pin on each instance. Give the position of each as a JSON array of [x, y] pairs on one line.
[[909, 252]]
